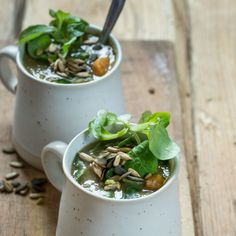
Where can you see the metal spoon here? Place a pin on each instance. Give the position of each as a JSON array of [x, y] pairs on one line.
[[113, 14]]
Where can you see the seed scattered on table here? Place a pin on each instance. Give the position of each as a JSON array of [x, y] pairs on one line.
[[16, 164], [11, 175], [21, 187], [7, 186], [40, 201], [36, 195], [8, 149], [39, 181]]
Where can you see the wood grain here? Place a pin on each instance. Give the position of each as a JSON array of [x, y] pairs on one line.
[[149, 82], [213, 57], [135, 22]]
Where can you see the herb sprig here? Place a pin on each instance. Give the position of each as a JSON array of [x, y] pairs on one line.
[[64, 30], [150, 134]]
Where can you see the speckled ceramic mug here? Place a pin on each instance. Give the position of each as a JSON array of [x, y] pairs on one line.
[[46, 111], [85, 213]]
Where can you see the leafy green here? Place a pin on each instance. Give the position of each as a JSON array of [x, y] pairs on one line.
[[65, 30], [161, 145], [150, 135], [34, 32], [143, 161], [98, 127], [37, 45]]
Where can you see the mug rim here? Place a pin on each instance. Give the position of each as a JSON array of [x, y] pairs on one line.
[[119, 56], [68, 175]]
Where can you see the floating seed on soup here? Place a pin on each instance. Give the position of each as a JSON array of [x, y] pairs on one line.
[[124, 175], [85, 157], [112, 149], [119, 170], [117, 160], [97, 170], [134, 172], [125, 149], [136, 179], [103, 154], [124, 156], [83, 74], [61, 66]]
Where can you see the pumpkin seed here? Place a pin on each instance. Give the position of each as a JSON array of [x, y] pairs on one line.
[[117, 160], [16, 164], [85, 157], [8, 149], [11, 175], [134, 172], [7, 186], [36, 195]]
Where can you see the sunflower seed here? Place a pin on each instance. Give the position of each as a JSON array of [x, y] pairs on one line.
[[97, 170], [52, 47], [119, 170], [21, 187], [124, 156], [117, 160], [39, 181], [148, 176], [23, 192], [16, 164], [7, 186], [134, 172], [40, 201], [61, 66], [55, 65], [15, 183], [102, 155], [61, 74], [112, 149], [79, 61], [125, 149], [110, 163], [38, 189], [112, 186], [83, 74], [111, 156], [115, 177], [36, 195], [125, 175], [8, 149], [101, 162], [85, 157], [11, 175], [136, 179]]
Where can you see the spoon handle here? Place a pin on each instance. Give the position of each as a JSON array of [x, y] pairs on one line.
[[113, 14]]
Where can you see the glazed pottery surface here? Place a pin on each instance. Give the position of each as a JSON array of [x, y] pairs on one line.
[[46, 111], [84, 213]]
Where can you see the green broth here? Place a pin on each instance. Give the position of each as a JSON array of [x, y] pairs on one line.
[[85, 176]]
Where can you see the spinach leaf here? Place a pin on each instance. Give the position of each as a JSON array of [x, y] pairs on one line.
[[161, 145], [144, 117], [157, 117], [102, 121], [143, 160], [34, 32], [36, 46]]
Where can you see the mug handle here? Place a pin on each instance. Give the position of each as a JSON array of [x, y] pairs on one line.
[[51, 157], [6, 75]]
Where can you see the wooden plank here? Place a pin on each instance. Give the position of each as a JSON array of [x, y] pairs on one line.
[[149, 82], [213, 78], [139, 19]]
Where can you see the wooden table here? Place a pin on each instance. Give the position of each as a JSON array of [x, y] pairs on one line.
[[203, 35]]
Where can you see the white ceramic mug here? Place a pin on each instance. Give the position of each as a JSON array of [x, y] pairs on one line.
[[85, 213], [46, 111]]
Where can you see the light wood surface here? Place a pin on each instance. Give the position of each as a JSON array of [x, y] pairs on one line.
[[146, 66], [203, 33]]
